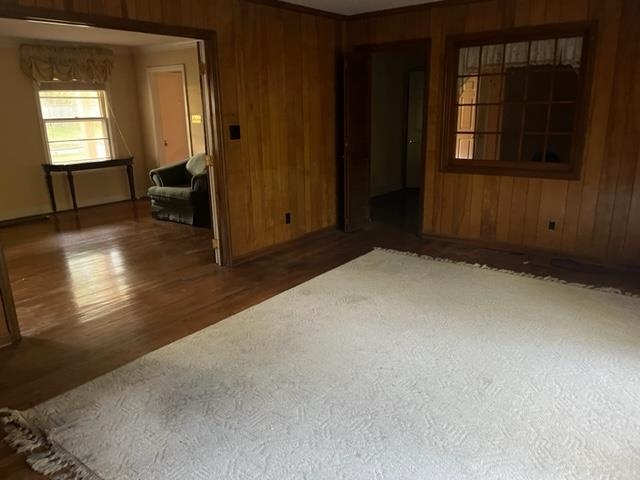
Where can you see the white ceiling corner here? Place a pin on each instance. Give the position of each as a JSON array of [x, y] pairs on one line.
[[353, 7]]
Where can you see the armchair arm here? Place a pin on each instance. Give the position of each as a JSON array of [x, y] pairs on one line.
[[170, 176], [200, 183]]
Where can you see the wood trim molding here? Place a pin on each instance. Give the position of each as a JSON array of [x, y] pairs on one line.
[[101, 21]]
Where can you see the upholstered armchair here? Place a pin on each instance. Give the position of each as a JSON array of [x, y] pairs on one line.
[[181, 192]]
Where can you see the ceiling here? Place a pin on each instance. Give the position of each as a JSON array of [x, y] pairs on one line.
[[352, 7], [78, 34]]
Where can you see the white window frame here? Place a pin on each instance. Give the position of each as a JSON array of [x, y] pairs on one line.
[[73, 86]]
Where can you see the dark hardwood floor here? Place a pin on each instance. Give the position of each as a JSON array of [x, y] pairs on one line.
[[399, 209], [100, 288]]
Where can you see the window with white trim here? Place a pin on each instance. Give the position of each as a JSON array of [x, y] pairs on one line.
[[75, 124]]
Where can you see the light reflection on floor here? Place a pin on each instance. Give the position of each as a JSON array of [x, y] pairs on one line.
[[98, 279]]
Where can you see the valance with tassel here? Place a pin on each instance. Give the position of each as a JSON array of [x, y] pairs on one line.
[[46, 63]]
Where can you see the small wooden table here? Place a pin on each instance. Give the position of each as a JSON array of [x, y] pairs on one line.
[[69, 168]]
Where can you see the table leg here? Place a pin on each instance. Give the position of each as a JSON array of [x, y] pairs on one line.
[[72, 188], [52, 195], [132, 187]]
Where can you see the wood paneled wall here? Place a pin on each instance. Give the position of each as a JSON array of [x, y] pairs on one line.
[[278, 79], [598, 215], [278, 76]]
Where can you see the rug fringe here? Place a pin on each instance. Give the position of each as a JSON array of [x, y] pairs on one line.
[[42, 455], [613, 290]]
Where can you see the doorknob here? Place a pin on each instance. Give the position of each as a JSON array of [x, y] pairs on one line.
[[412, 141], [166, 144]]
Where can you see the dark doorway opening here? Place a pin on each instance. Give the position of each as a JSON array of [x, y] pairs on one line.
[[385, 112], [397, 122]]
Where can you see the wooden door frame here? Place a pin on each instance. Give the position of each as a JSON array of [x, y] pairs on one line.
[[422, 43], [7, 303], [209, 40], [347, 220], [180, 68]]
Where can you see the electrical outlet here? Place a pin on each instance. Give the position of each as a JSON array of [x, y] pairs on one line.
[[287, 218], [234, 132], [552, 225]]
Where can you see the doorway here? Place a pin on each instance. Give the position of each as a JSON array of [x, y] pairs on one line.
[[211, 119], [397, 99], [385, 108], [167, 87]]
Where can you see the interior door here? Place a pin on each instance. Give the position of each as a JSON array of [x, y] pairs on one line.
[[210, 142], [357, 140], [467, 119], [171, 103], [415, 124]]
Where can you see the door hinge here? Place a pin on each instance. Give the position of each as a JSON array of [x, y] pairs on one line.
[[215, 243], [203, 68]]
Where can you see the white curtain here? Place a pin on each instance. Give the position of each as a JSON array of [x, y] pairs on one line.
[[46, 63], [568, 52]]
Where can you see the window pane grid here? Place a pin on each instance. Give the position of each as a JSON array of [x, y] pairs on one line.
[[83, 119], [75, 125], [47, 92], [545, 155], [76, 130], [78, 140], [486, 66], [75, 97]]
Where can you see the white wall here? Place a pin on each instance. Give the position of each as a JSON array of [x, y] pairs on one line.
[[389, 80], [160, 56], [22, 188]]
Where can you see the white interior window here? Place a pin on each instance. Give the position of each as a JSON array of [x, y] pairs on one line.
[[75, 125]]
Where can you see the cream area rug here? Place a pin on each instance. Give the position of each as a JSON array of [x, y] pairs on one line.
[[389, 367]]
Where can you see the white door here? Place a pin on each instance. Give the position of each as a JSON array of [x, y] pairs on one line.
[[170, 107]]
